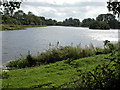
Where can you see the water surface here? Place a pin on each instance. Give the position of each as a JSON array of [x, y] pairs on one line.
[[37, 39]]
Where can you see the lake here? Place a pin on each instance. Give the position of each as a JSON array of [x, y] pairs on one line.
[[17, 43]]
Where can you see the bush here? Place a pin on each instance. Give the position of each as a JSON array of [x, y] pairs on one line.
[[103, 77], [63, 53], [30, 61], [17, 64]]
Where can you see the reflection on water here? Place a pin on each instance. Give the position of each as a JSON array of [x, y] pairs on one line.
[[100, 35], [38, 39]]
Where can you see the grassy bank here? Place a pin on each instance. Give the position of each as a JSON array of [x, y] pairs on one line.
[[87, 68], [62, 74], [18, 27]]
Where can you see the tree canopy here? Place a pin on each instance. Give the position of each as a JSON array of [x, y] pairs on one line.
[[8, 7], [102, 21], [109, 19], [86, 22], [99, 25]]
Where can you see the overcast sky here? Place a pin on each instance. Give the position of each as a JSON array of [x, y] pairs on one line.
[[62, 9]]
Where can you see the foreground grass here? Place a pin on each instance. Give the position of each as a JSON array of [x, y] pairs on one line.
[[54, 75], [18, 27]]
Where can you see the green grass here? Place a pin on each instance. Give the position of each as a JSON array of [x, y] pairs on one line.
[[54, 75]]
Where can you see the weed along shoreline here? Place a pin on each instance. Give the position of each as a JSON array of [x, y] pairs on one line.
[[59, 53]]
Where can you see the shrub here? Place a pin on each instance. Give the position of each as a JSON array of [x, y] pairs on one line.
[[103, 77], [30, 61], [12, 64]]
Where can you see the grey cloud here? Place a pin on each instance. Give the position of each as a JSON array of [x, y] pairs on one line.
[[76, 10], [79, 4], [67, 12]]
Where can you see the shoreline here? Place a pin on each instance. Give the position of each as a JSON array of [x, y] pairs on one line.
[[8, 27]]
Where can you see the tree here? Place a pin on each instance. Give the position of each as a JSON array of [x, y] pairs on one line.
[[9, 6], [76, 22], [110, 19], [71, 22], [43, 20], [30, 13], [114, 6], [99, 25], [50, 22], [19, 16], [87, 22], [105, 17]]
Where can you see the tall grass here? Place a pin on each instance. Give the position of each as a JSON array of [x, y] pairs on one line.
[[58, 54]]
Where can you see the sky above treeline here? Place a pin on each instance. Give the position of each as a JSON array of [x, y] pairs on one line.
[[62, 9]]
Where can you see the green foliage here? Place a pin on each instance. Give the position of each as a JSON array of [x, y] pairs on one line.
[[51, 22], [87, 22], [114, 6], [20, 18], [103, 21], [71, 22], [105, 17], [5, 75], [17, 64], [99, 25], [110, 19], [53, 55], [103, 77], [30, 60], [10, 6]]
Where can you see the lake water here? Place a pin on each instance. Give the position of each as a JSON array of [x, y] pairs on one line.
[[37, 39]]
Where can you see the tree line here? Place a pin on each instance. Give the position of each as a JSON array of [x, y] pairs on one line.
[[102, 21]]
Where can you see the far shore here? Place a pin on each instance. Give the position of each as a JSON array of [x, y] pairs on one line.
[[7, 27]]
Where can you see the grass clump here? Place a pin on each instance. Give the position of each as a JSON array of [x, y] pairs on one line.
[[51, 56]]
